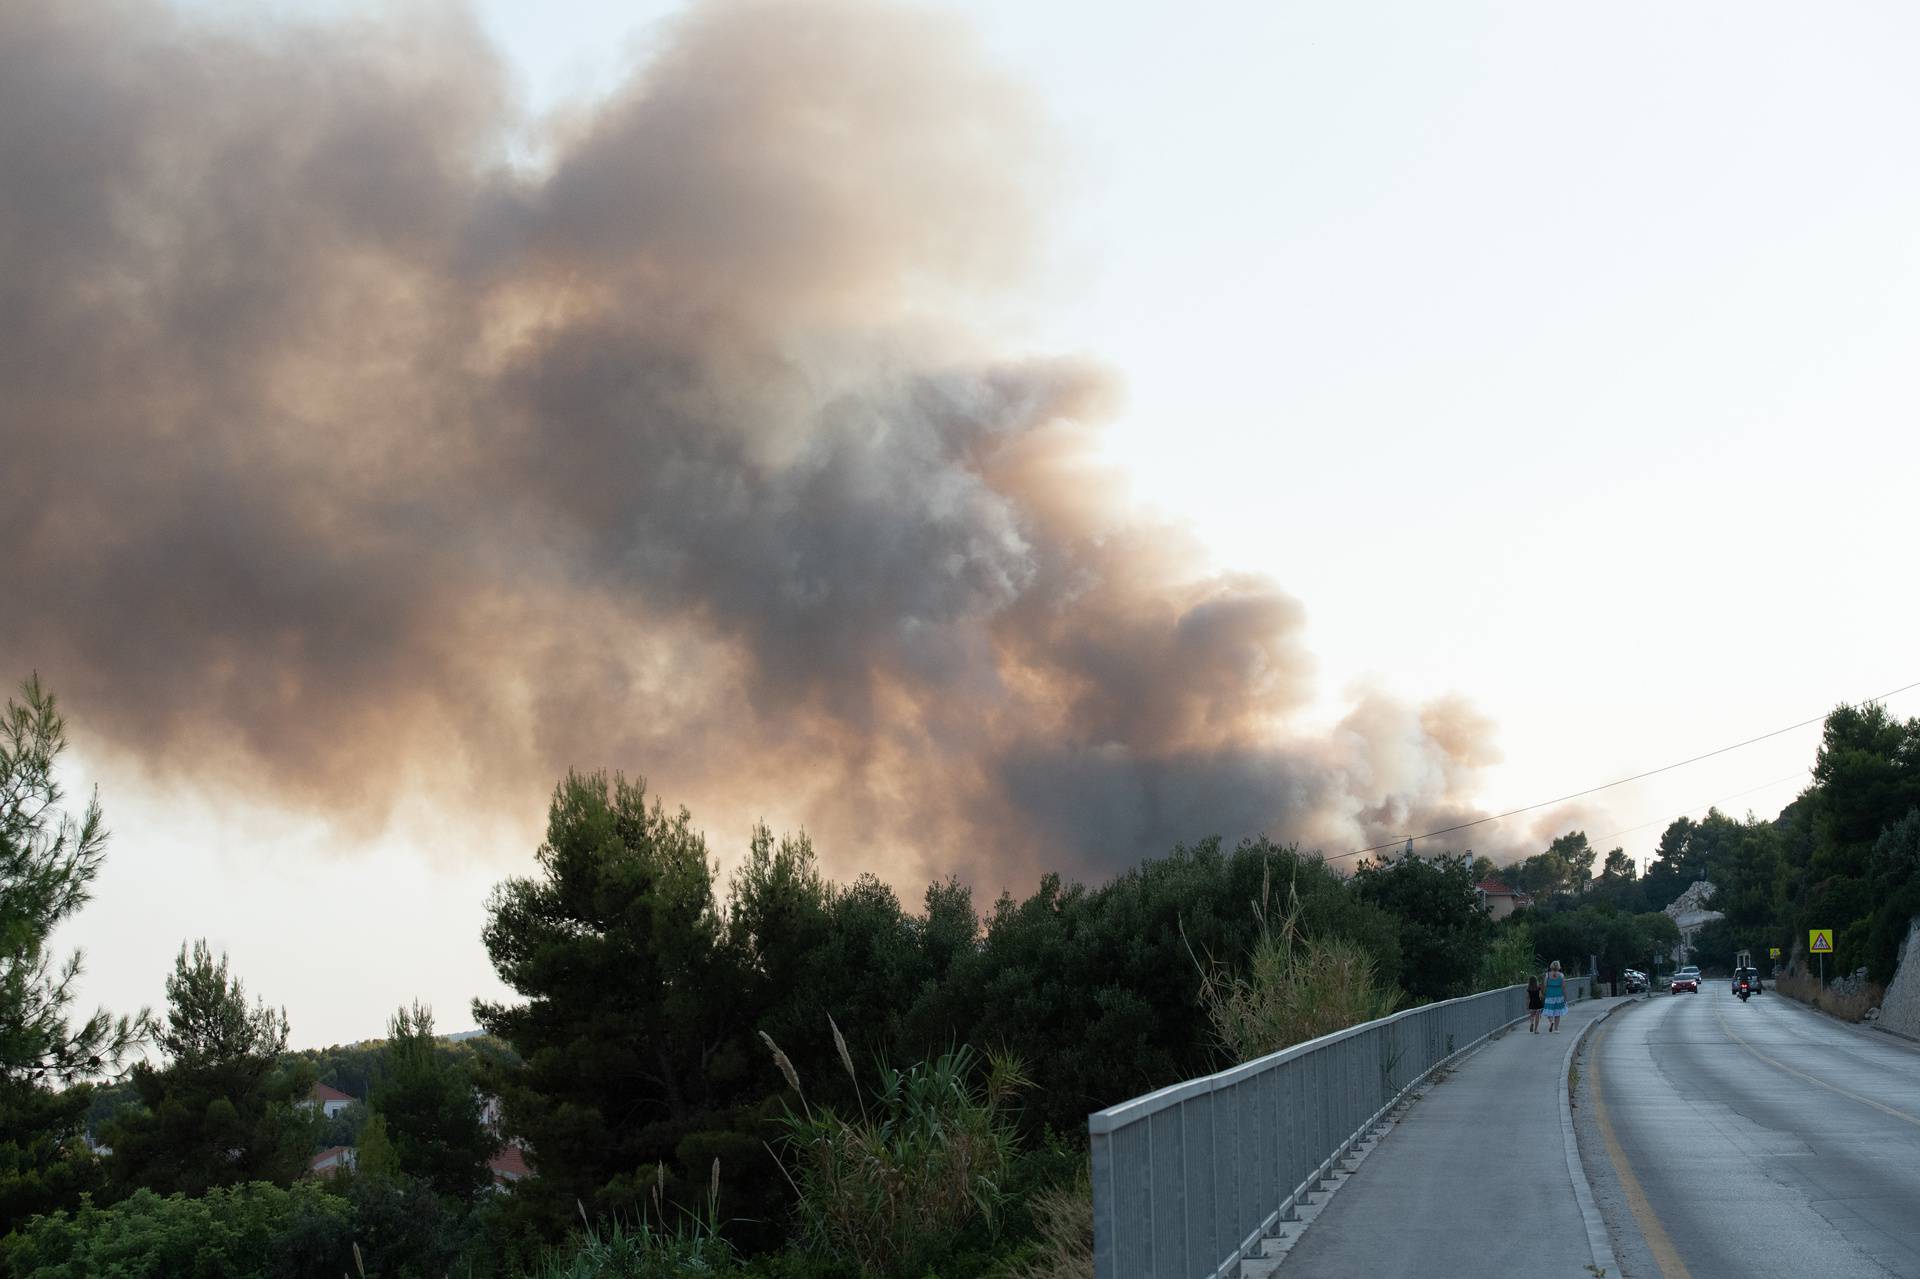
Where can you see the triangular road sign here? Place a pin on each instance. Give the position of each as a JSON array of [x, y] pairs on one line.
[[1822, 941]]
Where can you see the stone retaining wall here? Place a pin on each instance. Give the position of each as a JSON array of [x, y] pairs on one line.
[[1900, 1011]]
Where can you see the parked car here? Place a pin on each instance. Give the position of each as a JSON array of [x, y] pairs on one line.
[[1634, 981], [1687, 979]]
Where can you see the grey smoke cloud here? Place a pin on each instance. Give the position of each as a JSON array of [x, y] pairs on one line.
[[343, 456]]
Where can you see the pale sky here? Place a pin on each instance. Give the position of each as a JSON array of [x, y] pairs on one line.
[[1557, 357]]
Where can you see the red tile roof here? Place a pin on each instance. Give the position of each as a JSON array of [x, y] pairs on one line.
[[323, 1093], [332, 1157], [510, 1164]]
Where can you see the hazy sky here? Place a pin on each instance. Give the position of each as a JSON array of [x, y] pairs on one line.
[[1555, 359]]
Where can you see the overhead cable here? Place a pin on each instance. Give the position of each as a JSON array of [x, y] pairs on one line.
[[1593, 790]]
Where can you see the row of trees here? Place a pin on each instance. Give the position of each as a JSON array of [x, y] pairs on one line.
[[718, 1057], [1844, 855]]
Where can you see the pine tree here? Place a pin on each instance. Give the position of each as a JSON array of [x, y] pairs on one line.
[[223, 1109], [431, 1110], [48, 862]]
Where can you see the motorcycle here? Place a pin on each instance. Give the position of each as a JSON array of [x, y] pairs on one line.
[[1744, 992]]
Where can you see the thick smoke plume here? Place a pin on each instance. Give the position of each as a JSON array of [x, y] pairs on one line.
[[349, 457]]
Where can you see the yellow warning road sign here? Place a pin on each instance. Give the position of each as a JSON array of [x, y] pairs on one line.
[[1821, 941], [1773, 952]]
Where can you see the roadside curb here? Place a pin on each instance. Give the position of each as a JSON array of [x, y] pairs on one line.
[[1597, 1241]]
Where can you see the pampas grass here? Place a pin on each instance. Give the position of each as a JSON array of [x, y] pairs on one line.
[[1293, 988]]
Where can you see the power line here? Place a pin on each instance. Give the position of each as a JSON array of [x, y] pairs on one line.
[[1753, 790], [1592, 790]]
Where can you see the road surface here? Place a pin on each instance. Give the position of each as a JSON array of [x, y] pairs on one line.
[[1759, 1138]]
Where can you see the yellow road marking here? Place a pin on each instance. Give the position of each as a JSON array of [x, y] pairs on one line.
[[1895, 1111], [1658, 1243]]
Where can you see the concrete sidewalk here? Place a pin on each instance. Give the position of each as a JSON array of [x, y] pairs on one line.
[[1474, 1180]]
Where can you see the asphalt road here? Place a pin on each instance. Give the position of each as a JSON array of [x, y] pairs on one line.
[[1760, 1138]]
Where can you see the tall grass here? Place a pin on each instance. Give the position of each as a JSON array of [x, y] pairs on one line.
[[1805, 987], [1063, 1220], [926, 1158], [1294, 987], [644, 1249]]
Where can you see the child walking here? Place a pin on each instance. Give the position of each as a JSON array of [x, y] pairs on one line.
[[1534, 1001]]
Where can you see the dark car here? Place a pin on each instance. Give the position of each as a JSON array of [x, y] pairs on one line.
[[1634, 981], [1687, 979]]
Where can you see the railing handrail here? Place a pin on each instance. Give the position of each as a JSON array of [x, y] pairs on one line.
[[1138, 1108]]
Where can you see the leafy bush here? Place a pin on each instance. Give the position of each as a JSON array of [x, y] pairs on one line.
[[1509, 961], [1443, 929], [253, 1231], [896, 1186]]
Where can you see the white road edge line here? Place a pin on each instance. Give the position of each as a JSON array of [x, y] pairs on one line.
[[1597, 1241]]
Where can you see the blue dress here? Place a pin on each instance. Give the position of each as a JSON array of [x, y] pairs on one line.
[[1556, 996]]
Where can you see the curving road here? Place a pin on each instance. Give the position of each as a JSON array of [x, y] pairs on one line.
[[1760, 1138]]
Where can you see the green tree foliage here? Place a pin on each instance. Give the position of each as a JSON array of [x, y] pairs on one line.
[[1613, 939], [1564, 869], [405, 1231], [375, 1159], [254, 1231], [1830, 860], [643, 991], [1442, 928], [1096, 990], [632, 1036], [221, 1111], [48, 862], [1895, 877], [44, 1162], [431, 1110]]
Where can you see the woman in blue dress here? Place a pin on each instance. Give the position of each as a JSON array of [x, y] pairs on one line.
[[1556, 1001]]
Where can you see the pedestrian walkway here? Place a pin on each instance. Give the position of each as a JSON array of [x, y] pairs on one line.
[[1474, 1180]]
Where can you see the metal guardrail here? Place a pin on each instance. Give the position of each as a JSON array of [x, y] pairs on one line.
[[1189, 1179]]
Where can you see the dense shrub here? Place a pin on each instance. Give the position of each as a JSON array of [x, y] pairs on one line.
[[253, 1231]]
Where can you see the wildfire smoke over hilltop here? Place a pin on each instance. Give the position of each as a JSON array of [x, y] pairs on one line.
[[342, 454]]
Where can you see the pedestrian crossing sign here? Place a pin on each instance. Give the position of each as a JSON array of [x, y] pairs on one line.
[[1773, 952], [1822, 941]]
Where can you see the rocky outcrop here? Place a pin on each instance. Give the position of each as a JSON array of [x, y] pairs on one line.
[[1900, 1009], [1690, 914]]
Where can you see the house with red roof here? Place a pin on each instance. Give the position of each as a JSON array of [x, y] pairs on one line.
[[330, 1100], [1498, 900], [331, 1160], [509, 1166]]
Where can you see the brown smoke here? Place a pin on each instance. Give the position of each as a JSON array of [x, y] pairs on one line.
[[345, 457]]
